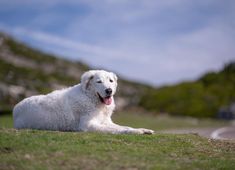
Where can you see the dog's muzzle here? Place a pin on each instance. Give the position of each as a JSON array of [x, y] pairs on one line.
[[106, 100]]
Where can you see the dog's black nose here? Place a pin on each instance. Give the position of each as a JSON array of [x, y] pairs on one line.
[[108, 91]]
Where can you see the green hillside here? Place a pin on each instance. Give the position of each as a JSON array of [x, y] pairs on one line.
[[25, 71], [201, 98]]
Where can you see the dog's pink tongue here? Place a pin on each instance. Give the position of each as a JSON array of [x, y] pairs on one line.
[[108, 100]]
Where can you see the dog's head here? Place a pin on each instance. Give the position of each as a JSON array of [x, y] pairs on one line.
[[101, 83]]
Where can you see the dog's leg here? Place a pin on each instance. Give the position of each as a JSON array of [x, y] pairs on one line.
[[132, 130], [115, 129]]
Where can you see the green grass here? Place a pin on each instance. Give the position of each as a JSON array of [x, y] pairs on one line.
[[31, 149], [164, 122], [6, 121], [160, 122]]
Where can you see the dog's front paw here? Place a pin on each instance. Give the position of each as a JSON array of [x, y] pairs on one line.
[[145, 131]]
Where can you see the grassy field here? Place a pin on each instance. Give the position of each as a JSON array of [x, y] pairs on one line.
[[32, 149], [164, 122], [160, 122]]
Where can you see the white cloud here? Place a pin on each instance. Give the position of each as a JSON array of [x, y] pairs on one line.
[[182, 58], [92, 52], [154, 41]]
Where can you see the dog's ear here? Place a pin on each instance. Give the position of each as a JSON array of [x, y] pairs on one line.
[[115, 77], [86, 78]]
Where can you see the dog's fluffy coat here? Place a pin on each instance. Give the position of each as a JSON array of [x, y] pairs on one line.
[[83, 107]]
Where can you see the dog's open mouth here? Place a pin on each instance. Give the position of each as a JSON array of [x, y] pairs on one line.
[[106, 100]]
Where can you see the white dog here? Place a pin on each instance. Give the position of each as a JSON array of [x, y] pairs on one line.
[[84, 107]]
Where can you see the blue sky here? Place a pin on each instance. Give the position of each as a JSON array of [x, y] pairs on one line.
[[153, 41]]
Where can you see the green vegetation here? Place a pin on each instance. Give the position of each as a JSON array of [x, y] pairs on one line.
[[41, 73], [6, 121], [31, 149], [32, 79], [155, 122], [202, 98], [163, 122], [45, 72], [38, 73], [30, 53]]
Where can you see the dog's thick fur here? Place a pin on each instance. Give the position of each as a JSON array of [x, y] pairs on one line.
[[84, 107]]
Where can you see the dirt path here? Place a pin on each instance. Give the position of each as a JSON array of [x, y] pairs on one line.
[[223, 133]]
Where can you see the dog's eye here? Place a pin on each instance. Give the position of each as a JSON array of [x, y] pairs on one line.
[[111, 80], [99, 81]]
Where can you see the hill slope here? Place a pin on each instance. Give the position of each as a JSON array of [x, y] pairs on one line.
[[201, 98], [25, 71]]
